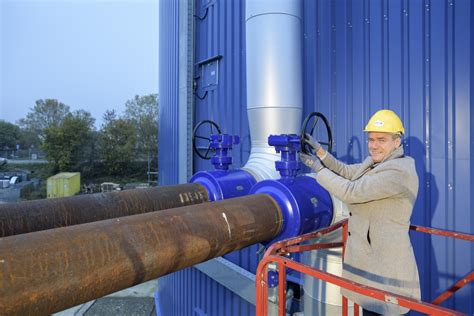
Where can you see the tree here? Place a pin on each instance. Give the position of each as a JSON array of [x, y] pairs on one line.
[[88, 151], [66, 144], [29, 138], [143, 113], [117, 142], [45, 114], [9, 135]]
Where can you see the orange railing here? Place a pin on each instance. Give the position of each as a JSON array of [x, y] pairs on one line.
[[278, 251]]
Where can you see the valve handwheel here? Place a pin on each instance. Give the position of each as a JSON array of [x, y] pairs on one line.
[[198, 128], [305, 148]]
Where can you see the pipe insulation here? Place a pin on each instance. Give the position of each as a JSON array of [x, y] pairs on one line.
[[25, 217], [51, 270], [274, 78]]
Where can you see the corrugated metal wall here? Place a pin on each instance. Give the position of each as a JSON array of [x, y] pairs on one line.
[[168, 143], [221, 32], [191, 292], [415, 58], [219, 39], [175, 92], [412, 56]]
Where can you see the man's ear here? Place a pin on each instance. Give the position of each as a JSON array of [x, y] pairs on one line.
[[398, 141]]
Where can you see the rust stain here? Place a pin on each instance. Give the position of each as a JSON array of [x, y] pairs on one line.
[[51, 270], [25, 217]]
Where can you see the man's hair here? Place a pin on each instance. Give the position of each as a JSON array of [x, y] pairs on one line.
[[396, 135]]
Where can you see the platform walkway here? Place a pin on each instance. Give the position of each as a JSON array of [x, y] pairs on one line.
[[137, 301]]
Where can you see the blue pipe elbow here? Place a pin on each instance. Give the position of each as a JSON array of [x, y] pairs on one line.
[[304, 204]]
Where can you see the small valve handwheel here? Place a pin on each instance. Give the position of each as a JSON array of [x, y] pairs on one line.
[[213, 129], [305, 147]]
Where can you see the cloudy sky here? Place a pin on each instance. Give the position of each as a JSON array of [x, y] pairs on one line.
[[89, 54]]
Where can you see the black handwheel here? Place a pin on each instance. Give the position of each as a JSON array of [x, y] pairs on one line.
[[305, 148], [197, 136]]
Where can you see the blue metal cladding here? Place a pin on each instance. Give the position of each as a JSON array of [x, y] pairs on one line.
[[191, 292], [168, 115], [412, 56], [221, 32], [219, 37]]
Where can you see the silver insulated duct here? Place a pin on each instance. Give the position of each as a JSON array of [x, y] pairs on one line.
[[275, 106], [274, 78]]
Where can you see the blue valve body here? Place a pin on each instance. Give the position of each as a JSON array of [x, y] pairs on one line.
[[222, 143], [224, 184], [287, 145], [305, 205]]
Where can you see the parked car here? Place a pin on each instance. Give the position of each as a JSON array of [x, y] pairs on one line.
[[3, 161]]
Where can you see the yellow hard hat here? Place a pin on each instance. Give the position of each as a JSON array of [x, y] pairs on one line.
[[385, 121]]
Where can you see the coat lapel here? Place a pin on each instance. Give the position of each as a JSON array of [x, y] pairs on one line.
[[366, 166]]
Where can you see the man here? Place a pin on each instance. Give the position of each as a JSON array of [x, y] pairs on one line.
[[380, 193]]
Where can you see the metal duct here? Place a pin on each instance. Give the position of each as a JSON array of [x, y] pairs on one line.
[[274, 78]]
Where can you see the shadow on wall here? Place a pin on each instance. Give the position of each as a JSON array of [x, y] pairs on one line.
[[426, 203], [354, 151]]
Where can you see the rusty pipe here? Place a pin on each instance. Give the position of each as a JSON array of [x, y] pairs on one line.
[[26, 217], [51, 270]]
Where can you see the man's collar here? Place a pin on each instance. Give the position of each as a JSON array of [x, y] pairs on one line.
[[397, 153]]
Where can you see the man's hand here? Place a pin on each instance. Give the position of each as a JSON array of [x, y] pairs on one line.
[[313, 143], [311, 161]]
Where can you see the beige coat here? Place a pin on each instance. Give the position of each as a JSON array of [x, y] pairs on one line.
[[380, 198]]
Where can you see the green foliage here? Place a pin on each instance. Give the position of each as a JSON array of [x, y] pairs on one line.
[[98, 172], [71, 143], [117, 143], [9, 135], [119, 152], [143, 112], [40, 171], [39, 193], [45, 114], [65, 144], [29, 139]]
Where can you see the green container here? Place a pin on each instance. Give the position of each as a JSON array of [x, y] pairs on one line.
[[63, 184]]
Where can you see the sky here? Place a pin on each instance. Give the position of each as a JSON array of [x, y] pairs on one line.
[[92, 55]]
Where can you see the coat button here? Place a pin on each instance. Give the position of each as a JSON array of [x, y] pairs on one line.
[[349, 233], [350, 214]]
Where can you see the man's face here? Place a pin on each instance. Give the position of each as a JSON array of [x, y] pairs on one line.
[[381, 145]]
